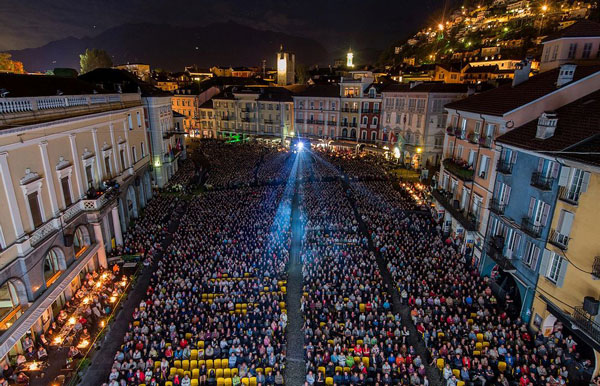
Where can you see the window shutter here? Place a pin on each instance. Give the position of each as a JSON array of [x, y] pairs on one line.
[[562, 272], [555, 168], [516, 243], [567, 223], [545, 213], [506, 195], [585, 182], [544, 264], [540, 167], [563, 180], [513, 157], [531, 205], [534, 259]]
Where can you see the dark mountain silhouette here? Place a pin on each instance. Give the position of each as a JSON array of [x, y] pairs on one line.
[[172, 48]]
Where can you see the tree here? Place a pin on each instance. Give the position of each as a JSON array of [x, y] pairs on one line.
[[93, 59], [8, 65]]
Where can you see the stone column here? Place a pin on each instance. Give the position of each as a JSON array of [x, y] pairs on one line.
[[49, 177], [9, 189], [100, 240], [117, 226]]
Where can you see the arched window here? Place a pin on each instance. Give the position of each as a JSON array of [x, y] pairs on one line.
[[52, 267], [365, 120], [375, 121], [80, 241], [9, 305]]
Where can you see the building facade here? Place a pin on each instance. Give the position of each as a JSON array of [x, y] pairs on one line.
[[579, 44], [74, 172], [317, 111]]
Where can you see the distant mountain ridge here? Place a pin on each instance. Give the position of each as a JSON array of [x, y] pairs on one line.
[[171, 47]]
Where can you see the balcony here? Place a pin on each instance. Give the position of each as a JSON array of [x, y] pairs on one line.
[[531, 228], [541, 182], [349, 110], [467, 220], [315, 122], [246, 110], [586, 323], [459, 168], [245, 119], [486, 142], [497, 206], [450, 130], [494, 249], [559, 240], [504, 167], [567, 195], [473, 138], [269, 122], [331, 123], [299, 120]]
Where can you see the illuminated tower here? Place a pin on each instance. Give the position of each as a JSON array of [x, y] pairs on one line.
[[349, 59], [286, 67]]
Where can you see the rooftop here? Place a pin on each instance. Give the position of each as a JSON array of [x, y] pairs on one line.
[[19, 86], [577, 130], [321, 90], [583, 28], [115, 80], [506, 98], [436, 87]]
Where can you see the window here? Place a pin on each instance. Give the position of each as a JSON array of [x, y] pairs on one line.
[[139, 119], [134, 154], [373, 136], [122, 155], [538, 212], [587, 50], [375, 121], [107, 166], [34, 208], [66, 188], [556, 263], [89, 175], [143, 147], [52, 267], [365, 120], [565, 222], [9, 303], [129, 121], [483, 166], [80, 243], [554, 52], [531, 256], [572, 51]]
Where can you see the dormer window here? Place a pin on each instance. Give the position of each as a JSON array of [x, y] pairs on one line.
[[546, 125], [372, 93]]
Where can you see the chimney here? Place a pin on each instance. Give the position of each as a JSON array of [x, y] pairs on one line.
[[546, 125], [566, 73], [522, 70]]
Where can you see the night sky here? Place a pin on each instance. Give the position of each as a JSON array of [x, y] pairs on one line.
[[374, 23]]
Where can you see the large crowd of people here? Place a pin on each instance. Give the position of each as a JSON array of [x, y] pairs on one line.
[[215, 309], [471, 335]]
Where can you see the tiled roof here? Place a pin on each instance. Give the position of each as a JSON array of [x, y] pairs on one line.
[[577, 130], [583, 28], [321, 90], [44, 85], [503, 99], [481, 69], [436, 87]]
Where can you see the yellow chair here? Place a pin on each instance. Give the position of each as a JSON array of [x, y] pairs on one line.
[[476, 353], [321, 369], [253, 381], [365, 361], [177, 364], [194, 354], [218, 364], [227, 373], [234, 372], [196, 374], [245, 381], [228, 382], [188, 335], [441, 335], [486, 344], [329, 381], [210, 364], [193, 364], [460, 383], [346, 369], [185, 364], [268, 370], [478, 346], [168, 383], [172, 372], [502, 366], [220, 382], [200, 344], [359, 342], [156, 365], [259, 370], [136, 323], [194, 382], [201, 362], [224, 363], [456, 372], [440, 363], [480, 337], [361, 307], [180, 372], [219, 373]]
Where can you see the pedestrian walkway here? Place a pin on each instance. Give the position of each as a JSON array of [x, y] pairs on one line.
[[102, 360], [295, 367]]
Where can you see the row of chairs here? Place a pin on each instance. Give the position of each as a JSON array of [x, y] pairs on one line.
[[440, 363], [365, 361]]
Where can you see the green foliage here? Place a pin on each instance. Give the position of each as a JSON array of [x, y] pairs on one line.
[[65, 72], [94, 58], [9, 65]]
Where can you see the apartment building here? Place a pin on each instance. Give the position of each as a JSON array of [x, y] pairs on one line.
[[543, 232], [317, 111], [414, 119], [187, 101], [208, 125], [167, 143], [578, 43], [254, 111], [470, 157], [74, 171]]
